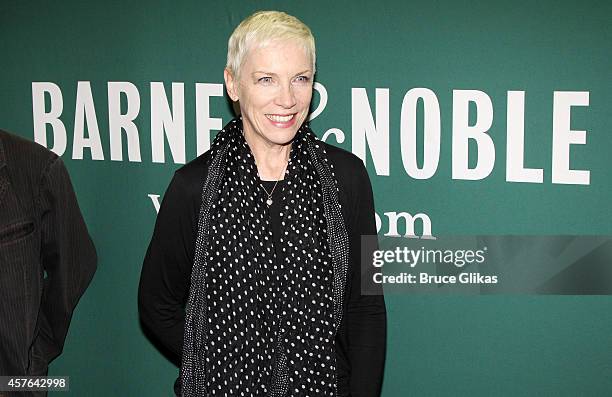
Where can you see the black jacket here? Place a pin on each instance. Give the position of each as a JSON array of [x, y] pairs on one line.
[[166, 272], [47, 258]]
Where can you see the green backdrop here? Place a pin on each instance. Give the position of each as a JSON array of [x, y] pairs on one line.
[[437, 346]]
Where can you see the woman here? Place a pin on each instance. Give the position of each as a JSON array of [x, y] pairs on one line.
[[252, 274]]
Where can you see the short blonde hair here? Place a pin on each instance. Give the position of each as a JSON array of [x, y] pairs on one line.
[[260, 29]]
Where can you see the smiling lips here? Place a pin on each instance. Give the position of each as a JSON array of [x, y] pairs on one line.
[[282, 121]]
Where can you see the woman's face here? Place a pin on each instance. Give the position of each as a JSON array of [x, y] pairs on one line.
[[274, 90]]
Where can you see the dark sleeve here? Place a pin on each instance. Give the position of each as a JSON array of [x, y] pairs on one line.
[[68, 257], [366, 314], [166, 271]]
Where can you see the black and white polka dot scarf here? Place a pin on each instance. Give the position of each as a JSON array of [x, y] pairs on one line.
[[256, 325]]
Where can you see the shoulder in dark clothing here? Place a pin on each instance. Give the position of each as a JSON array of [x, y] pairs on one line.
[[23, 149], [345, 164], [25, 157], [196, 169]]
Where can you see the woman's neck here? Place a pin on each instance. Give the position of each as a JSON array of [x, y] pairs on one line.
[[271, 159]]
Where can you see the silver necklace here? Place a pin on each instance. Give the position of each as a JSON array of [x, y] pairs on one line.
[[269, 200]]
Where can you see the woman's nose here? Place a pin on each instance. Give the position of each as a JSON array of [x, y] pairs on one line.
[[286, 97]]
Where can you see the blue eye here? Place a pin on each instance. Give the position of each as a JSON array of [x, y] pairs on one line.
[[265, 80], [302, 79]]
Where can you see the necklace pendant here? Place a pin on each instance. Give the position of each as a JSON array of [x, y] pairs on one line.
[[269, 201]]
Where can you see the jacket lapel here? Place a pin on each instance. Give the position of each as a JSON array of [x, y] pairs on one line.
[[4, 182]]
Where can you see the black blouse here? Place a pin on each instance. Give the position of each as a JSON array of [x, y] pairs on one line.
[[166, 271]]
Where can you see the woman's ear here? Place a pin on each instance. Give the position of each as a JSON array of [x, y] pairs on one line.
[[231, 85]]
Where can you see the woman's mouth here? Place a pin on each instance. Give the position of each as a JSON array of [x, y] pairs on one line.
[[282, 121]]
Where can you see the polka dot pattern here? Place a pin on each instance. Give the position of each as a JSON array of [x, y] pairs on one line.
[[257, 325]]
